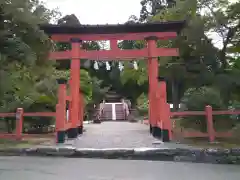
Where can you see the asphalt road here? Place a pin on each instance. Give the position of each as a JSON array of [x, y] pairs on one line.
[[29, 168]]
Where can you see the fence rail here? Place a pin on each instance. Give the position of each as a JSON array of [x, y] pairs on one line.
[[39, 114], [188, 113], [30, 114], [229, 112], [201, 113], [7, 115]]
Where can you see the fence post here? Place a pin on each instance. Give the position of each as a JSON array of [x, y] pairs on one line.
[[19, 123], [210, 127]]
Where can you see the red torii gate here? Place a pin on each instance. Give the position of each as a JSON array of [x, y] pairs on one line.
[[150, 32]]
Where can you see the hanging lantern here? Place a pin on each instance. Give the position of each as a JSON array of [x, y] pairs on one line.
[[95, 65], [135, 65], [108, 67], [113, 63], [120, 66], [87, 64], [100, 63], [130, 65]]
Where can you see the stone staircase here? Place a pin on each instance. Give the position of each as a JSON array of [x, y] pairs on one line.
[[113, 108], [113, 112], [120, 112], [106, 113]]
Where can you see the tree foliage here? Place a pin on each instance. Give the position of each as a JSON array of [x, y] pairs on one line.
[[24, 51], [152, 7]]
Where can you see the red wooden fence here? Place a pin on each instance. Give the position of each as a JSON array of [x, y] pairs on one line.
[[208, 113], [19, 115]]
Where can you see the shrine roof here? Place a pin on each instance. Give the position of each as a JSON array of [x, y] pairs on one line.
[[172, 26]]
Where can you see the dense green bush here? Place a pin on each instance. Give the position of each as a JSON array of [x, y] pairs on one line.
[[142, 105]]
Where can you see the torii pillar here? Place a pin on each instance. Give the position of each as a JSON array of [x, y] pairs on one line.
[[153, 85], [164, 111], [75, 104]]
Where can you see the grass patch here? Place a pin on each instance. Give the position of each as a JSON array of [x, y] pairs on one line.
[[27, 142], [219, 143]]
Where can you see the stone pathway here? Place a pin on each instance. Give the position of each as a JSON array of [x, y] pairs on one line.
[[118, 135]]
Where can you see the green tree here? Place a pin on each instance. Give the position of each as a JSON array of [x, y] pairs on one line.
[[200, 63], [23, 53], [152, 7]]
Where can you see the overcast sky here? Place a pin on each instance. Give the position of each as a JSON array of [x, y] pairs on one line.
[[104, 11], [98, 11]]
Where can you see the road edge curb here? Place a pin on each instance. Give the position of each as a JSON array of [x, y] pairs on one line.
[[209, 155]]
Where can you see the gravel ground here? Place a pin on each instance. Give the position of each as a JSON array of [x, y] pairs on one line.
[[118, 135]]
